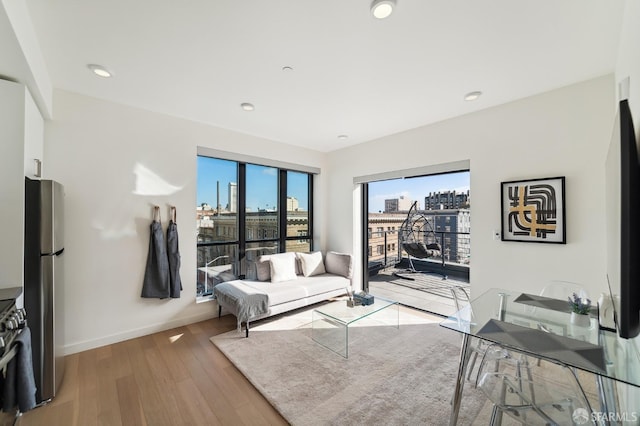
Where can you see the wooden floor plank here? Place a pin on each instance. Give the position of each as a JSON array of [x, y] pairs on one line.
[[175, 377], [131, 410], [169, 344], [86, 408], [250, 415], [62, 413], [151, 398], [103, 352], [69, 393], [216, 398], [108, 404], [195, 403], [120, 360]]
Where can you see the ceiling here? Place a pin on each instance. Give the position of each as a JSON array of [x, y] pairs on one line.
[[351, 74]]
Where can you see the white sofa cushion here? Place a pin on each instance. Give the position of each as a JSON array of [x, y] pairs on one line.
[[283, 268], [300, 288], [263, 267], [312, 263]]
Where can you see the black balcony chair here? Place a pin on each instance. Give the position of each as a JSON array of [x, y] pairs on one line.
[[419, 240]]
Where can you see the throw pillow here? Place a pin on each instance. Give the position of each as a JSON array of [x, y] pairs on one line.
[[298, 266], [263, 267], [283, 268], [339, 264], [312, 263], [263, 270]]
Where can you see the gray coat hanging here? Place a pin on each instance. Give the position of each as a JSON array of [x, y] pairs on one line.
[[156, 275], [173, 253]]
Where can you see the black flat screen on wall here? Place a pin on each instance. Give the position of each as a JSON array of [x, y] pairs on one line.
[[623, 222]]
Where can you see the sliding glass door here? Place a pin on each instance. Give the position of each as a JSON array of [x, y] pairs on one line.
[[416, 238]]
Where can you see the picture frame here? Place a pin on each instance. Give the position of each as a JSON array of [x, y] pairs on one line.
[[533, 210]]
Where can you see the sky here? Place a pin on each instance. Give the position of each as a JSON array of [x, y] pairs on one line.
[[262, 184], [415, 188]]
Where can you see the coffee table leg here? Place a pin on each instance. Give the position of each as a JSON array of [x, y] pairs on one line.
[[330, 333], [462, 367]]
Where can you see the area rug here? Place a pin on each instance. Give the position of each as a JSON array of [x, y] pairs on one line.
[[393, 376]]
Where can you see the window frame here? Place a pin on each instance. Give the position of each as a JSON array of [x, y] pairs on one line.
[[281, 239]]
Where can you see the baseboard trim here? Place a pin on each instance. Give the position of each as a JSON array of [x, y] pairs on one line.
[[138, 332]]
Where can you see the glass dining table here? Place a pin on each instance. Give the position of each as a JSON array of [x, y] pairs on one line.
[[541, 327]]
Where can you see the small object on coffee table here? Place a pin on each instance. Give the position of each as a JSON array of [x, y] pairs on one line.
[[363, 299], [350, 301]]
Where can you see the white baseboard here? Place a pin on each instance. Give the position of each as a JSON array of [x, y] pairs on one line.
[[76, 347]]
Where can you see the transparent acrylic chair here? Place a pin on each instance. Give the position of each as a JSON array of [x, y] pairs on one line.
[[534, 394], [477, 347], [561, 290]]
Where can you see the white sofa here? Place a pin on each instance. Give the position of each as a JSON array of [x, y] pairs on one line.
[[285, 281]]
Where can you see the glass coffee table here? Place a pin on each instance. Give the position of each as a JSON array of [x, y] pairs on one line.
[[332, 322]]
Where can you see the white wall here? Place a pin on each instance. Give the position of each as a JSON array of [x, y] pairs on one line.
[[21, 140], [12, 116], [628, 64], [565, 132], [95, 149], [33, 136]]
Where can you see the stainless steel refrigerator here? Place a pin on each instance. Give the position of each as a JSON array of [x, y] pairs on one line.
[[43, 282]]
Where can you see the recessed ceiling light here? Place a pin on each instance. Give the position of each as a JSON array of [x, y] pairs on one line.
[[472, 96], [247, 106], [382, 8], [343, 137], [100, 71], [287, 68]]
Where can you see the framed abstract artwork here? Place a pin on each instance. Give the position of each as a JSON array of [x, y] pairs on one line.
[[533, 210]]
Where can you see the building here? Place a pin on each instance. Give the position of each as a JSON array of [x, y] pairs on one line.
[[232, 206], [453, 228], [384, 247], [292, 204], [446, 200], [400, 204]]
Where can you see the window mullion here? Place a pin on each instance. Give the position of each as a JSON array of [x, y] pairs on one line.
[[242, 212], [282, 210], [365, 236], [310, 208]]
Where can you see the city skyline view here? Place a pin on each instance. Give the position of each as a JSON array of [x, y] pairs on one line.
[[262, 184], [416, 188]]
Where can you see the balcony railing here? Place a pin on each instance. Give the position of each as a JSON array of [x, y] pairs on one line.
[[385, 250]]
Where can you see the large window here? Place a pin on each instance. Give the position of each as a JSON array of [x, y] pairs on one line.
[[244, 211]]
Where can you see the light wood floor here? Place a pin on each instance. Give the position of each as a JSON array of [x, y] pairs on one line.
[[175, 377]]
